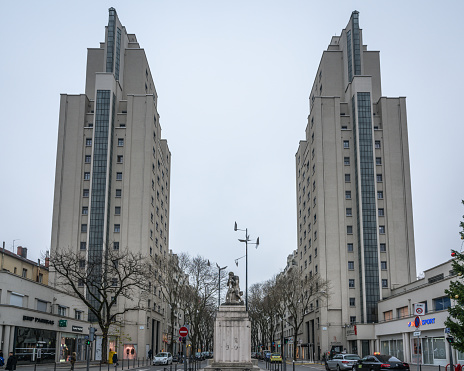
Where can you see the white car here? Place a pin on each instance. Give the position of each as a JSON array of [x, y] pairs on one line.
[[163, 358]]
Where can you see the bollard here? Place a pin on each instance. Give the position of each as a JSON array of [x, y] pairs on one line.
[[54, 367], [35, 366], [108, 367], [100, 366], [293, 362]]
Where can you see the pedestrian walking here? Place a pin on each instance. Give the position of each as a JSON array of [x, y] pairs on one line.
[[115, 359], [73, 360], [11, 362], [150, 354]]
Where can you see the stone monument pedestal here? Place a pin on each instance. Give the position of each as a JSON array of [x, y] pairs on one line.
[[232, 340]]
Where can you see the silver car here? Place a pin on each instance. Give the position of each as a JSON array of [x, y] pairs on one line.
[[163, 358], [342, 362]]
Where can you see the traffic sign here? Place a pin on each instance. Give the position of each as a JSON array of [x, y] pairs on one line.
[[417, 322], [416, 333], [447, 330], [419, 309], [183, 331]]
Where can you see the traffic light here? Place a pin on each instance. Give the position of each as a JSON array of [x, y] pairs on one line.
[[88, 342], [285, 341], [92, 333], [450, 339]]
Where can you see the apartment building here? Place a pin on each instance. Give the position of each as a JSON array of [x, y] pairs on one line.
[[354, 207], [112, 183]]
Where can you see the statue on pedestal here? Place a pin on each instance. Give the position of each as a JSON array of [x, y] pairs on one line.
[[234, 295]]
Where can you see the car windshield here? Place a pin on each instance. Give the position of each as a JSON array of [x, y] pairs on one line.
[[162, 355], [275, 354], [387, 358], [352, 357]]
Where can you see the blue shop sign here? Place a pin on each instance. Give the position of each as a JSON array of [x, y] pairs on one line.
[[429, 321]]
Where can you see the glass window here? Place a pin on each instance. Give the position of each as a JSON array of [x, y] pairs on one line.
[[87, 175], [348, 195], [380, 195], [379, 178], [88, 142], [82, 263], [117, 210], [378, 161], [88, 159], [118, 193], [381, 229], [351, 283], [352, 319], [83, 245], [118, 176], [383, 247], [116, 245], [85, 193], [346, 144], [384, 282], [350, 247], [41, 305], [347, 178], [388, 316], [349, 211], [441, 303], [117, 228], [402, 312], [16, 300], [377, 144], [78, 314], [120, 159], [85, 210], [346, 160], [83, 228], [61, 311], [383, 265], [381, 212], [120, 142], [349, 229], [352, 302], [351, 265]]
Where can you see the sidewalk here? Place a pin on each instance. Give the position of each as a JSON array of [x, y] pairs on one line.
[[94, 366]]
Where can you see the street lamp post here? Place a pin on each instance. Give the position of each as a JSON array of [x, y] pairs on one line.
[[246, 240], [219, 283]]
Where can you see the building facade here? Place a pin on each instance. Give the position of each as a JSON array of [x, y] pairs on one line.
[[40, 323], [112, 184], [20, 265], [354, 207]]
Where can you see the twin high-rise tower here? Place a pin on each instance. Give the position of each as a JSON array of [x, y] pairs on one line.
[[354, 206], [112, 181]]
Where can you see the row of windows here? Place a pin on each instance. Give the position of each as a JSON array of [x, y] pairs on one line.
[[346, 143], [88, 143], [346, 161], [383, 265], [379, 195], [349, 229], [348, 178]]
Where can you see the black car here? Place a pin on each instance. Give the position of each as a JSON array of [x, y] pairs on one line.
[[380, 362]]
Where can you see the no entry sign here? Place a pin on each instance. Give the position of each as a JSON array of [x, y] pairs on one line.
[[183, 331]]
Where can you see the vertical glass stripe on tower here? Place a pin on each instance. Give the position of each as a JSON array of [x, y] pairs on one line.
[[348, 50], [98, 195], [110, 41], [365, 195], [356, 44], [118, 51]]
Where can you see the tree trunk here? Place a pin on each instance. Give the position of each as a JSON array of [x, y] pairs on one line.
[[104, 350]]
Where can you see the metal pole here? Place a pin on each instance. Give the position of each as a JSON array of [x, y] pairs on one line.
[[88, 356], [418, 355], [451, 357], [219, 285], [246, 274]]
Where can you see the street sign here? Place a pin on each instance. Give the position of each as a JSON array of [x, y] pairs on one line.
[[447, 330], [417, 322], [419, 309], [183, 331], [416, 333]]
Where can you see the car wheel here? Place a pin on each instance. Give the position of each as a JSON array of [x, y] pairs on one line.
[[327, 366]]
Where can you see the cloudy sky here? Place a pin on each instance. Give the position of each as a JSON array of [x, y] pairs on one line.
[[233, 79]]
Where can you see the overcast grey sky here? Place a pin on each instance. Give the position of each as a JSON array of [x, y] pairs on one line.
[[233, 79]]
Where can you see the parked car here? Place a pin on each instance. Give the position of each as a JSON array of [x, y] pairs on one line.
[[199, 356], [163, 358], [175, 358], [266, 354], [342, 362], [380, 362], [275, 357]]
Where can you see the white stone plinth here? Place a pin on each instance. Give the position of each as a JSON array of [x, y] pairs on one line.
[[232, 339]]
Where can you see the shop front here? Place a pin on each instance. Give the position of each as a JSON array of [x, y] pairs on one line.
[[70, 343], [34, 345]]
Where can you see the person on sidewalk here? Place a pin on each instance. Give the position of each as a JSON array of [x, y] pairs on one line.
[[115, 359], [11, 363], [73, 360]]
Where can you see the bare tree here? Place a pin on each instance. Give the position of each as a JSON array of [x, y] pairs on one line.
[[101, 281], [298, 293], [199, 296], [170, 275]]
